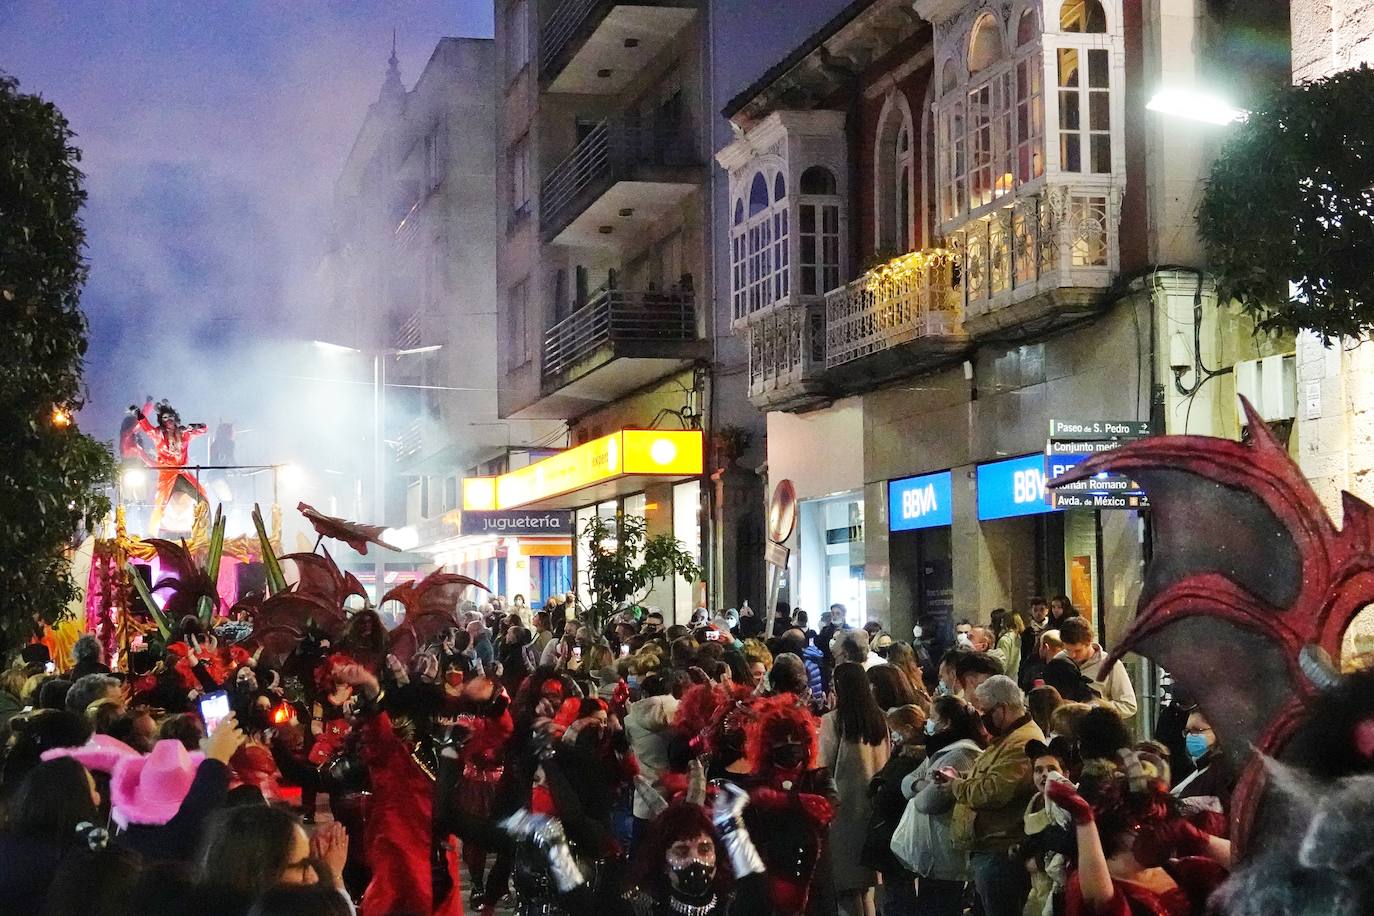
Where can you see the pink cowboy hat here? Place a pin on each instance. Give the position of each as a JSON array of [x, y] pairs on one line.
[[102, 753], [150, 790]]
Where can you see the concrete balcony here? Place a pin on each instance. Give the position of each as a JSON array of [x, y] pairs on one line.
[[618, 180], [900, 318], [619, 342], [599, 46], [787, 357], [1041, 262]]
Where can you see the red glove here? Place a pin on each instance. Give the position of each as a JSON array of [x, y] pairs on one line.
[[1063, 794], [1157, 843]]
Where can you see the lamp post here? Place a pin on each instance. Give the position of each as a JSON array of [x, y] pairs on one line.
[[379, 357]]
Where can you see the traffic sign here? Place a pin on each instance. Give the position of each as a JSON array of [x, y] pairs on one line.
[[1089, 430], [1064, 500]]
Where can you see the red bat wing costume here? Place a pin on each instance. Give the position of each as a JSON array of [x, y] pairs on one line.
[[1248, 594]]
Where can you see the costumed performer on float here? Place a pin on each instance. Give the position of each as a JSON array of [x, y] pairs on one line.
[[172, 443]]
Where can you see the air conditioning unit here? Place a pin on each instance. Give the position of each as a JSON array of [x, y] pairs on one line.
[[1271, 385]]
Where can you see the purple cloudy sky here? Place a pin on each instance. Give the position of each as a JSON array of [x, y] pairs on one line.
[[211, 133]]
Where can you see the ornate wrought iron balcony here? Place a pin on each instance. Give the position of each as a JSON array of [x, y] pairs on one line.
[[910, 298], [787, 357], [1045, 258]]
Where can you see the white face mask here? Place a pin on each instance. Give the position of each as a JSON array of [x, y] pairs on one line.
[[916, 632], [930, 727]]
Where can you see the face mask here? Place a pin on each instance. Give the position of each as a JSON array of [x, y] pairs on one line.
[[693, 880], [989, 722], [895, 738], [963, 640], [1197, 746], [454, 679], [788, 756], [942, 689], [916, 632], [930, 726]]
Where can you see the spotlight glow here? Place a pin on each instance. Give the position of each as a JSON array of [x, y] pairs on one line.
[[1196, 106]]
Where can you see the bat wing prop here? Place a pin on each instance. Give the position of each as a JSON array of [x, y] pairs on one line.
[[354, 534], [431, 607], [1249, 590]]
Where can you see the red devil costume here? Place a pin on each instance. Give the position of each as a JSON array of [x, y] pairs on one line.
[[172, 444]]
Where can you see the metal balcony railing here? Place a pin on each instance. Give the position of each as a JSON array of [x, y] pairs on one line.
[[565, 23], [1061, 237], [611, 151], [618, 316], [909, 297], [786, 349]]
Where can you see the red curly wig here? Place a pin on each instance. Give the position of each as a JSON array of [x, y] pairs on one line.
[[779, 720]]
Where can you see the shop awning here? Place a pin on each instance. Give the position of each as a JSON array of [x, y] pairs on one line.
[[620, 463]]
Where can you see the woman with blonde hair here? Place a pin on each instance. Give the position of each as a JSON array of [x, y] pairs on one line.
[[902, 656], [1007, 627]]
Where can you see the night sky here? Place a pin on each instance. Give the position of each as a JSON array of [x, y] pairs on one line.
[[211, 134]]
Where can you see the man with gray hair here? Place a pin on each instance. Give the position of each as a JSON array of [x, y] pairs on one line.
[[991, 799], [86, 690], [852, 646]]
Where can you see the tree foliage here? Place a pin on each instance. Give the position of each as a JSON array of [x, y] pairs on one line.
[[50, 473], [624, 563], [1290, 200]]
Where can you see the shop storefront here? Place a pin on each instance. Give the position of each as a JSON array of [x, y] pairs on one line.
[[654, 474], [831, 535], [920, 513], [514, 552], [1031, 547]]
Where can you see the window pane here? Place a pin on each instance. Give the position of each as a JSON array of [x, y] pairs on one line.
[[1069, 153], [1068, 66], [1102, 153], [831, 219], [808, 278], [1097, 68], [808, 219], [1099, 111], [1068, 111]]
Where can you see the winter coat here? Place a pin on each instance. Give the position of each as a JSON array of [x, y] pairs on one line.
[[1113, 684], [813, 659], [991, 800], [649, 726], [853, 765], [888, 806], [934, 800], [1009, 652]]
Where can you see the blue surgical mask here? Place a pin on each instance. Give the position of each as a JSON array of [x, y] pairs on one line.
[[1196, 745], [930, 726]]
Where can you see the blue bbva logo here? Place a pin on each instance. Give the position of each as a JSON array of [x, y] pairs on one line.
[[920, 502]]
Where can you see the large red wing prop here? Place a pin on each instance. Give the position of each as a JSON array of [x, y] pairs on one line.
[[430, 609], [354, 534], [1247, 571]]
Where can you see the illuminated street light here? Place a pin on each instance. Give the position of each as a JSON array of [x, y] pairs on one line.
[[1196, 106], [61, 417], [328, 347], [416, 350], [406, 538], [291, 475], [134, 478]]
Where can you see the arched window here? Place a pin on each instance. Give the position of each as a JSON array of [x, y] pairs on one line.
[[990, 132], [758, 195], [1082, 16], [893, 174], [759, 252], [817, 180], [818, 221], [985, 45]]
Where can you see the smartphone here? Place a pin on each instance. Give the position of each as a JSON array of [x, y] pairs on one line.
[[624, 649], [214, 707], [713, 635], [577, 653], [50, 667]]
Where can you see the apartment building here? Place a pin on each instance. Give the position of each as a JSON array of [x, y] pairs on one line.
[[604, 279], [413, 279], [952, 223]]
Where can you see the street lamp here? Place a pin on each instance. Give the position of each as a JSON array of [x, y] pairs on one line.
[[378, 427], [1196, 106]]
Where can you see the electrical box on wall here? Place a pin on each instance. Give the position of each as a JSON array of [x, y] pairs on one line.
[[1271, 385]]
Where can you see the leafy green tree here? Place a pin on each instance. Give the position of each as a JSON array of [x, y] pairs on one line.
[[624, 563], [1290, 200], [51, 474]]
